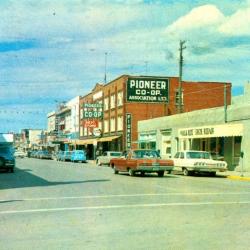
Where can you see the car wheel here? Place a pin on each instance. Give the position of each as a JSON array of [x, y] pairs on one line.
[[1, 162], [115, 170], [186, 172], [213, 174], [160, 173], [142, 173], [131, 172], [169, 172]]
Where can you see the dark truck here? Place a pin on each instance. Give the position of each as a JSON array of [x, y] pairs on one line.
[[7, 159], [141, 161]]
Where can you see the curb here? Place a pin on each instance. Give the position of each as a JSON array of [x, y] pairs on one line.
[[239, 178]]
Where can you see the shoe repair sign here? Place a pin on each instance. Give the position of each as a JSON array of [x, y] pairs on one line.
[[147, 89]]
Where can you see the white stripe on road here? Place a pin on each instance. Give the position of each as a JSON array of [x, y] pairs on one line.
[[124, 206], [119, 195]]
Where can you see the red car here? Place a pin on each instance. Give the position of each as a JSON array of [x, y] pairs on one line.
[[142, 161]]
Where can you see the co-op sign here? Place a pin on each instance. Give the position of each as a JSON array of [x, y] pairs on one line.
[[147, 89]]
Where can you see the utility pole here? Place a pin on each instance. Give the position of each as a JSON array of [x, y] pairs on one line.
[[105, 69], [180, 102], [225, 102]]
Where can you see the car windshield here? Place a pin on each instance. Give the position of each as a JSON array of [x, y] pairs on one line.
[[115, 154], [79, 152], [198, 155], [146, 154], [6, 150]]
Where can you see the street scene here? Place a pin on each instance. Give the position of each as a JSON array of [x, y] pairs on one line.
[[124, 124], [48, 204]]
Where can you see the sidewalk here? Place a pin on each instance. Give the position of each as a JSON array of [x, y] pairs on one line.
[[235, 175]]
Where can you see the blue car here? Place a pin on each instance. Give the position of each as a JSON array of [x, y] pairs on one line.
[[59, 156], [66, 156], [7, 159], [78, 156]]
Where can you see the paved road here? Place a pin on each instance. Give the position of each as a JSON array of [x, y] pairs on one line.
[[61, 205]]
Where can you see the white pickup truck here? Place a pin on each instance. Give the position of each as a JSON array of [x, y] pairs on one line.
[[190, 162], [107, 156]]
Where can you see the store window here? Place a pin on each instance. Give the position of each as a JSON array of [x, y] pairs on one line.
[[100, 125], [85, 131], [81, 131], [106, 103], [120, 123], [112, 101], [81, 113], [120, 98], [112, 124], [106, 126]]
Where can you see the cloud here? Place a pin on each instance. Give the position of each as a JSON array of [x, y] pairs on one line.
[[199, 18], [237, 24], [207, 29]]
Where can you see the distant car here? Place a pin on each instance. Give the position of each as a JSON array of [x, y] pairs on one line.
[[142, 161], [7, 159], [44, 154], [66, 156], [59, 155], [33, 154], [78, 156], [19, 154], [190, 161], [107, 156], [38, 154]]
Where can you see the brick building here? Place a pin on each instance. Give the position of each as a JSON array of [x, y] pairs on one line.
[[110, 112]]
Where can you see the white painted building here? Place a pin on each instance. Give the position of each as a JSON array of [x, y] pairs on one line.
[[207, 129], [51, 117], [72, 122]]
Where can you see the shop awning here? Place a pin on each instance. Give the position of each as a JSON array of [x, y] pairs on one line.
[[110, 138], [83, 142], [225, 130], [93, 141]]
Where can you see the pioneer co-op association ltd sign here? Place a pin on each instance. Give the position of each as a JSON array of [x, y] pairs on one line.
[[145, 89]]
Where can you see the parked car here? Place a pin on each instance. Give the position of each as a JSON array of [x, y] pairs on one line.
[[107, 156], [44, 154], [190, 162], [7, 159], [66, 156], [59, 155], [19, 154], [78, 156], [142, 161]]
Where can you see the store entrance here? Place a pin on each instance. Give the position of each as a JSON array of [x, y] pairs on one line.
[[221, 148]]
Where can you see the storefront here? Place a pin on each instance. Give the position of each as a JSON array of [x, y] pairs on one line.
[[223, 141], [203, 130]]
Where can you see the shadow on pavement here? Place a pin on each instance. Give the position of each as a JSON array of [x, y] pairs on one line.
[[24, 178], [148, 175], [179, 173]]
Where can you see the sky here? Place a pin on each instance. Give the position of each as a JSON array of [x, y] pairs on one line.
[[52, 51]]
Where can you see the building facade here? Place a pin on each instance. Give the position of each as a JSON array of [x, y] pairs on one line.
[[109, 114], [63, 124], [224, 131]]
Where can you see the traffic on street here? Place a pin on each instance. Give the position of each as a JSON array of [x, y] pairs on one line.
[[49, 204]]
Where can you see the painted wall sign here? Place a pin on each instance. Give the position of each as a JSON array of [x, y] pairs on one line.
[[92, 110], [212, 131], [128, 130], [145, 89], [90, 123], [97, 132]]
